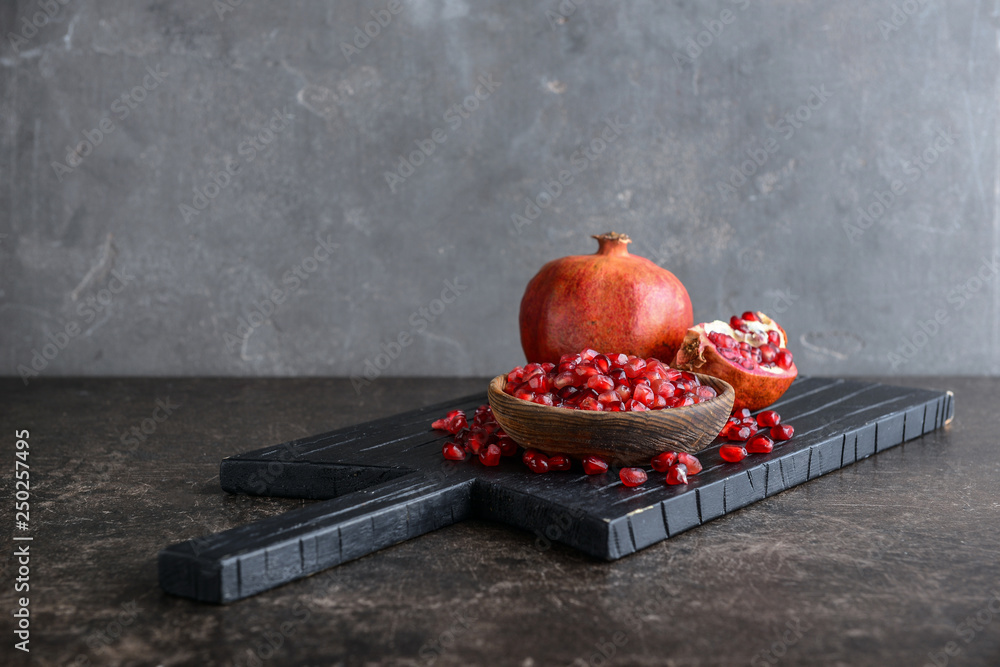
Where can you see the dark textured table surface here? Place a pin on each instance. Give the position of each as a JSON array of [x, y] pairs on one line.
[[893, 560]]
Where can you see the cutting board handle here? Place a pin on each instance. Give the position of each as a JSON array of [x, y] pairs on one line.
[[243, 561]]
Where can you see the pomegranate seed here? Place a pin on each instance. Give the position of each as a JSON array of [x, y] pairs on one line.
[[567, 393], [705, 392], [608, 397], [516, 376], [490, 456], [644, 395], [559, 462], [564, 379], [663, 461], [618, 360], [784, 359], [741, 433], [742, 413], [636, 406], [589, 354], [632, 476], [569, 359], [539, 463], [677, 474], [768, 418], [453, 452], [664, 388], [590, 403], [585, 371], [477, 440], [732, 453], [760, 444], [774, 337], [768, 353], [539, 383], [524, 393], [659, 402], [543, 399], [782, 432], [735, 322], [507, 445], [603, 363], [600, 383], [634, 367], [690, 461], [594, 465], [749, 316], [528, 455]]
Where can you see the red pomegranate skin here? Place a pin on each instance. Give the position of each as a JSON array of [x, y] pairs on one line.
[[608, 301]]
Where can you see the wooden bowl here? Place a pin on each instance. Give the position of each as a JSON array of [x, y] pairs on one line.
[[622, 438]]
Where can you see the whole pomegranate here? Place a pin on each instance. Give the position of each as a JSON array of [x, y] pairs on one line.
[[608, 301], [749, 352]]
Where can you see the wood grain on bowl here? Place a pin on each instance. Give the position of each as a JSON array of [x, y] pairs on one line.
[[623, 438]]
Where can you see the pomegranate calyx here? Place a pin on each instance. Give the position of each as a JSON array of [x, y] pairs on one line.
[[612, 243]]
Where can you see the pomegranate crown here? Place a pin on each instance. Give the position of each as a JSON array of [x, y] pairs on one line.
[[614, 237], [612, 243]]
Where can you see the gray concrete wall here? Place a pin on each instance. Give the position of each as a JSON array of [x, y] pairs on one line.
[[837, 101]]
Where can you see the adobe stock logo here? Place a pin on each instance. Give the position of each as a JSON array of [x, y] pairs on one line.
[[696, 45], [454, 116], [383, 17], [419, 320]]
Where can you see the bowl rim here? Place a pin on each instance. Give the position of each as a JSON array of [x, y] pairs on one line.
[[498, 384]]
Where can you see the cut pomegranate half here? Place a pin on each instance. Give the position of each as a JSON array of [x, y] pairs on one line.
[[749, 354]]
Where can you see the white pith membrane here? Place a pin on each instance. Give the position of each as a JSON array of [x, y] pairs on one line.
[[755, 337]]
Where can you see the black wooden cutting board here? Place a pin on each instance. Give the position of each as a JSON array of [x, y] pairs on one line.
[[385, 481]]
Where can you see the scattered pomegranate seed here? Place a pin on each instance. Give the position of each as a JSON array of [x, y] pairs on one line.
[[453, 422], [490, 456], [632, 476], [507, 445], [559, 462], [528, 455], [538, 463], [476, 440], [690, 461], [453, 452], [663, 461], [739, 434], [594, 465], [759, 444], [677, 474], [782, 432], [768, 418], [732, 453]]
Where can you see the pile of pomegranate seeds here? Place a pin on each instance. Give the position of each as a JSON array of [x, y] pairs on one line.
[[754, 344], [756, 435], [606, 382], [484, 438]]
